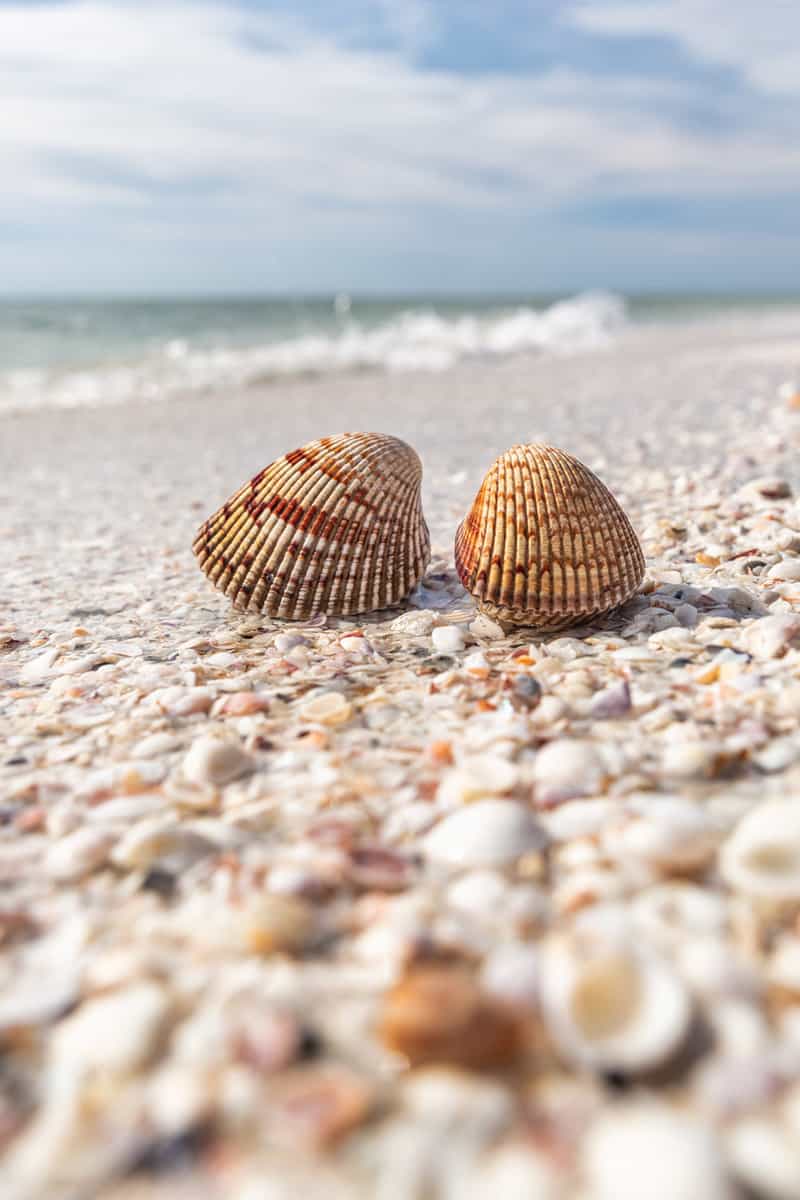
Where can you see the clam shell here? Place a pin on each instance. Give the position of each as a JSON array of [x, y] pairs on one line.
[[545, 543], [334, 527]]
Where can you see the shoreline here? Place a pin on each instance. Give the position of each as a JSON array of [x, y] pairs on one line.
[[293, 905]]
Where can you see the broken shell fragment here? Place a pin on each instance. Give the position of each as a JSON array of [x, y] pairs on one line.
[[333, 527], [610, 1006], [545, 543]]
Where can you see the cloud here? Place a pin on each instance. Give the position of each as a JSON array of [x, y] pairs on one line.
[[128, 125], [762, 42]]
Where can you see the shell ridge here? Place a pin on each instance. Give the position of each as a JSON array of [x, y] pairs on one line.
[[562, 501], [509, 531], [581, 505], [268, 579], [521, 571], [326, 497], [405, 562], [539, 530], [614, 546]]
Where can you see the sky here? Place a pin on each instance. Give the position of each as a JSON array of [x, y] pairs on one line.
[[439, 146]]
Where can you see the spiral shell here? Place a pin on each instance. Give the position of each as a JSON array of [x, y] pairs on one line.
[[334, 527], [545, 543]]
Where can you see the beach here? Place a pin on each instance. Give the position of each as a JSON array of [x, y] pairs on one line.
[[349, 908]]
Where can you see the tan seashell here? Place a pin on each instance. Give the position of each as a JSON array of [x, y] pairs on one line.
[[545, 543], [334, 527]]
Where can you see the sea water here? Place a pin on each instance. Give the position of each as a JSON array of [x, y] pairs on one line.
[[75, 352]]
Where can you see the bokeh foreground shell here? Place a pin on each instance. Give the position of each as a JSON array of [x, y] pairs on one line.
[[545, 543], [334, 527]]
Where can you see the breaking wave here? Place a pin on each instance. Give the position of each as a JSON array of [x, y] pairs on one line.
[[409, 340]]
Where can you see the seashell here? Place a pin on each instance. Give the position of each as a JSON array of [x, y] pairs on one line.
[[438, 1014], [761, 858], [485, 833], [648, 1148], [334, 527], [545, 543], [612, 1006]]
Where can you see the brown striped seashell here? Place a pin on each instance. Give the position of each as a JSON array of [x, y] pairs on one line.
[[334, 527], [545, 543]]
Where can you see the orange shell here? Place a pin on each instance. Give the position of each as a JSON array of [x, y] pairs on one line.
[[334, 527], [545, 543]]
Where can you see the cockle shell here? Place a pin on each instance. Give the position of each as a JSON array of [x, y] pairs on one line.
[[334, 527], [545, 543]]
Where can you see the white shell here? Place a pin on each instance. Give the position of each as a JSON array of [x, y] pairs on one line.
[[762, 856], [610, 1005], [648, 1151], [486, 833]]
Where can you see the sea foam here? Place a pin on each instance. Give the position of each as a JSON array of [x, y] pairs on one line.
[[411, 340]]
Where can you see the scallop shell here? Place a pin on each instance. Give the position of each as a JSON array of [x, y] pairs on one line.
[[334, 527], [545, 543]]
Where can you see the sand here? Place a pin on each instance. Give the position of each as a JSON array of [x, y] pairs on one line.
[[270, 964]]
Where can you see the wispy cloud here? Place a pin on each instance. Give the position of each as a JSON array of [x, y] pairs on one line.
[[763, 42], [214, 120]]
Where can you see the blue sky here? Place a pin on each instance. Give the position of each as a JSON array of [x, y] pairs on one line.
[[399, 145]]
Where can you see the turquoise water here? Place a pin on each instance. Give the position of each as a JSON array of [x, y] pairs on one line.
[[97, 351]]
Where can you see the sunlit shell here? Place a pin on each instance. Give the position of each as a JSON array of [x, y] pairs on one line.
[[334, 527], [545, 543], [610, 1005]]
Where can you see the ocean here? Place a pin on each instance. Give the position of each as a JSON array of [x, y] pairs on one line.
[[69, 353]]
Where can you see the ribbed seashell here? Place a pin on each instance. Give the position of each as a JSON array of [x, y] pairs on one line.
[[545, 543], [334, 527]]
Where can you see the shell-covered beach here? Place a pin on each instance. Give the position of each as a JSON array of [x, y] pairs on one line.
[[404, 906]]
